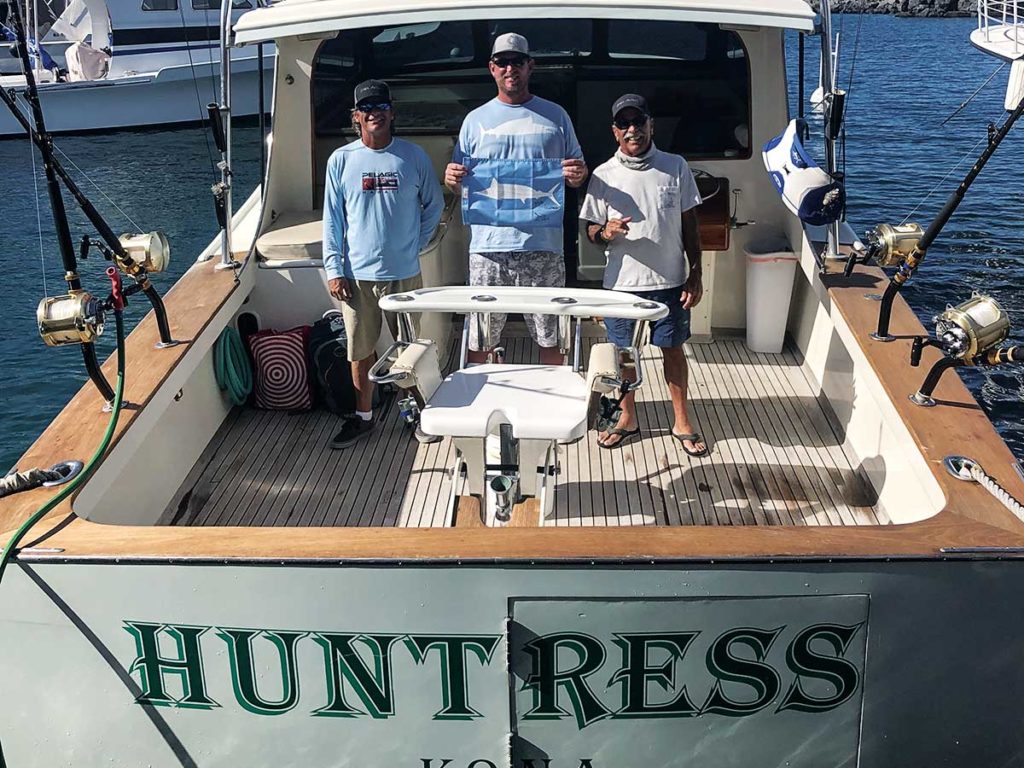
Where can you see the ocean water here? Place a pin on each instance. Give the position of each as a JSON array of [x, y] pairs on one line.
[[905, 76]]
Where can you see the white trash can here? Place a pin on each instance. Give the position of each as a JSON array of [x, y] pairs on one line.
[[771, 268]]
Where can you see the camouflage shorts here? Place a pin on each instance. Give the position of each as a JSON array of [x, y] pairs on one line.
[[526, 268]]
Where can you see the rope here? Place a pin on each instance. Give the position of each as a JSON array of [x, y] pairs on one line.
[[971, 470], [1000, 493], [231, 366]]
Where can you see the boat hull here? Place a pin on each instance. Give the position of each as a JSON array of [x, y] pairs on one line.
[[167, 97], [799, 664]]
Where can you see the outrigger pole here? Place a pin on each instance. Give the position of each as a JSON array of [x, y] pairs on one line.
[[220, 122], [906, 267]]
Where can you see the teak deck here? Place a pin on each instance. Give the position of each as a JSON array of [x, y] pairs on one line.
[[775, 460]]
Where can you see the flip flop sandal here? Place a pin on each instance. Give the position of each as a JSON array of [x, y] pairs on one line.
[[692, 437], [624, 435]]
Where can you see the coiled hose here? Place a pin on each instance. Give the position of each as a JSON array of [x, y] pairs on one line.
[[84, 475], [231, 365]]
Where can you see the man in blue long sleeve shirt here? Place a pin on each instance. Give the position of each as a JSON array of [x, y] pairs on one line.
[[382, 203]]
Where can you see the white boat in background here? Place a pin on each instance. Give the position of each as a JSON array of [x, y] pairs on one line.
[[136, 63]]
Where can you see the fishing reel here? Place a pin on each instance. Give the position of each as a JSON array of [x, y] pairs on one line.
[[147, 253], [77, 316], [967, 335], [887, 245]]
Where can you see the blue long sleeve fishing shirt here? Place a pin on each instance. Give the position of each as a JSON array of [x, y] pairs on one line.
[[380, 208]]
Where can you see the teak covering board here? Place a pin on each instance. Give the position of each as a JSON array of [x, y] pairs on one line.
[[971, 518]]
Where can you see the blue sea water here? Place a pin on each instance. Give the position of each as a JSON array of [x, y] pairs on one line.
[[905, 77]]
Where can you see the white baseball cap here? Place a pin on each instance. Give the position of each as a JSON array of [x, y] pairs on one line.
[[510, 42]]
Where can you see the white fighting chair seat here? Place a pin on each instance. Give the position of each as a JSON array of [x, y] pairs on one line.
[[541, 402]]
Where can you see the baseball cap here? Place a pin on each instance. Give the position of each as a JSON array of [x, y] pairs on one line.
[[629, 100], [372, 90], [510, 42]]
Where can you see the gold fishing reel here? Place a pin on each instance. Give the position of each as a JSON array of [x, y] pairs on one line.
[[150, 251], [75, 318], [890, 244], [972, 328]]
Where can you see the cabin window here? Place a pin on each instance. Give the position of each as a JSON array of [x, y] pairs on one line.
[[695, 75], [159, 5], [214, 5], [421, 44], [549, 37]]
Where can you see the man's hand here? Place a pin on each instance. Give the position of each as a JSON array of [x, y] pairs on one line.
[[615, 228], [693, 290], [453, 175], [339, 288], [574, 171]]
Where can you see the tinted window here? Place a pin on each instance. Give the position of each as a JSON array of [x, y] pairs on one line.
[[657, 40], [159, 5], [415, 44], [548, 37], [214, 5]]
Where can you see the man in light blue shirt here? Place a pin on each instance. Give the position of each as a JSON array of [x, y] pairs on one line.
[[382, 203], [516, 125]]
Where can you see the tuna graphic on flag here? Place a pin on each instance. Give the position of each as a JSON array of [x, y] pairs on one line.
[[513, 193]]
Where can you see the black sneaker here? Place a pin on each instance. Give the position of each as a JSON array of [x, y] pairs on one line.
[[352, 429]]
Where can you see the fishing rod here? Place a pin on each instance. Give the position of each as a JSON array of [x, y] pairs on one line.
[[60, 220], [904, 246], [76, 317]]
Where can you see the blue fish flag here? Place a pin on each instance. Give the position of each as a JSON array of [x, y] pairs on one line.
[[513, 193]]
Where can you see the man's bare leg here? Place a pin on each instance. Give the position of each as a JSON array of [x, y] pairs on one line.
[[627, 421], [676, 375], [361, 382]]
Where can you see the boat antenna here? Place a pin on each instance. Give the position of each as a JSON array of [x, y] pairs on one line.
[[118, 250], [881, 248], [220, 123]]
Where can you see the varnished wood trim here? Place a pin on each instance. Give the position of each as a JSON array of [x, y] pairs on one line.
[[972, 517]]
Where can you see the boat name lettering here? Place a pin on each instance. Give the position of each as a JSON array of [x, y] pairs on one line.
[[566, 673]]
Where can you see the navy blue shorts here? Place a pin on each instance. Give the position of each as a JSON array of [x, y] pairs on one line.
[[671, 331]]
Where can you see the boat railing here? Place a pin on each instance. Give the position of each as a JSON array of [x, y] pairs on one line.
[[1002, 19]]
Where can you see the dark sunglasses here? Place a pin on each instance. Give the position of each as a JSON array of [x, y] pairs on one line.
[[622, 123], [368, 108], [509, 61]]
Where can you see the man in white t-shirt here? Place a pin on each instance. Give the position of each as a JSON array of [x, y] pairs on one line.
[[641, 206]]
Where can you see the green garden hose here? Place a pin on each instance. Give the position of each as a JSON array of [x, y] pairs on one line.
[[87, 470], [231, 365], [82, 476]]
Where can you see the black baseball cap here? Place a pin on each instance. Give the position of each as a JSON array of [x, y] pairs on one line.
[[373, 90], [628, 100]]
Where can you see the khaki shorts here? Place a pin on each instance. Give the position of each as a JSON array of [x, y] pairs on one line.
[[363, 316]]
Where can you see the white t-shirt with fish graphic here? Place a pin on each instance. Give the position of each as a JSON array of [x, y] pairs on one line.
[[537, 129]]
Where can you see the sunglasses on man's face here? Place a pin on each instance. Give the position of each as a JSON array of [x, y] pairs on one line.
[[366, 109], [509, 61], [623, 123]]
